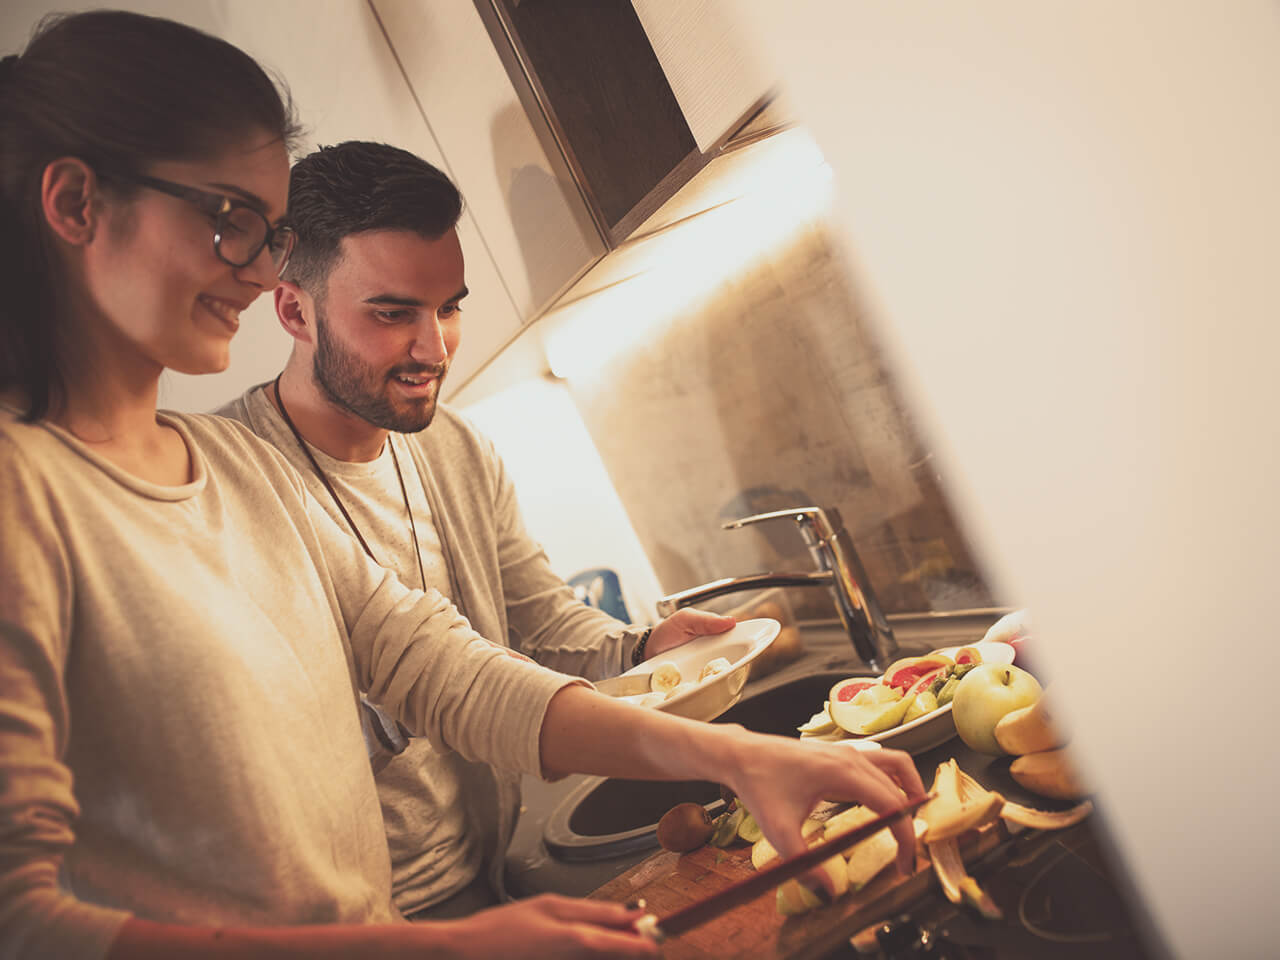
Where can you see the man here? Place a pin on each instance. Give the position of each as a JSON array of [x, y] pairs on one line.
[[372, 298]]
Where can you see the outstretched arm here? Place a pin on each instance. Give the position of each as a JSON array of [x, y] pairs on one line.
[[778, 779], [547, 927]]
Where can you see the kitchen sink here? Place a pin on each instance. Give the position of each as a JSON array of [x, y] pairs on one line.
[[604, 818]]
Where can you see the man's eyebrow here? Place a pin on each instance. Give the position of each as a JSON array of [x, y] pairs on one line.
[[394, 300]]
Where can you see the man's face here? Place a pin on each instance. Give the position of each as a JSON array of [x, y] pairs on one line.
[[389, 325]]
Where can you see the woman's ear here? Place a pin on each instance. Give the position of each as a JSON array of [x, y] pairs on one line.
[[294, 310], [68, 194]]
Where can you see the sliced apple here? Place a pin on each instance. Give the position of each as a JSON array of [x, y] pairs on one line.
[[762, 851], [865, 719], [819, 723], [876, 693], [870, 856], [922, 703], [793, 897], [1028, 729]]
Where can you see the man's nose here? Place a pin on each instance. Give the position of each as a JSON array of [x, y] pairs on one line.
[[428, 343]]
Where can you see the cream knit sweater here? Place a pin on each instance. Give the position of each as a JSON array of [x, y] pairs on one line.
[[178, 673]]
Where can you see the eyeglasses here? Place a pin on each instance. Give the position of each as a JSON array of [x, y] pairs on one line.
[[240, 231]]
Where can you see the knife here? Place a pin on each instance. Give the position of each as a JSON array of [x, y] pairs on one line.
[[700, 911]]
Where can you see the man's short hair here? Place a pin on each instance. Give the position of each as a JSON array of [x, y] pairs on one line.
[[357, 186]]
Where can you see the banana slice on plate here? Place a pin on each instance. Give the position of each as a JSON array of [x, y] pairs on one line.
[[714, 667], [680, 688], [665, 677]]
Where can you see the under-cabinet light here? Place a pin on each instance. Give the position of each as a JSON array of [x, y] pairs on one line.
[[791, 189]]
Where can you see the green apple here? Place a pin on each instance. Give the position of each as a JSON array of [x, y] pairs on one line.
[[984, 695]]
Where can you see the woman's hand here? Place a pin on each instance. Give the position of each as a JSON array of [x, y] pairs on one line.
[[781, 780], [548, 926]]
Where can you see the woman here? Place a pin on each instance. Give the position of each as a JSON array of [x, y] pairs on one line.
[[183, 632]]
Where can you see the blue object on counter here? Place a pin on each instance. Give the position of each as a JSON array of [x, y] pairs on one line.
[[599, 587]]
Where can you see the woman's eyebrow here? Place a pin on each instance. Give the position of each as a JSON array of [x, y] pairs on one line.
[[245, 195]]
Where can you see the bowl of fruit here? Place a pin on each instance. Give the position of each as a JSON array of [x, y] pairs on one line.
[[908, 707]]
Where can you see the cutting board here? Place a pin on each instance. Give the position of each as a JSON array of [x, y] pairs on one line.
[[756, 929]]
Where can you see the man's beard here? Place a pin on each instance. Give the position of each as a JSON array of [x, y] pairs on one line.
[[355, 387]]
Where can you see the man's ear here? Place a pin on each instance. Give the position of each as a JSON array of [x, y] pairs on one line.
[[295, 311], [68, 199]]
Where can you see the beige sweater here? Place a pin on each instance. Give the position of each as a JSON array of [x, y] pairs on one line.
[[178, 672], [501, 580]]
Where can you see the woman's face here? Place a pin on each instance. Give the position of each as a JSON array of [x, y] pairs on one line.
[[153, 277]]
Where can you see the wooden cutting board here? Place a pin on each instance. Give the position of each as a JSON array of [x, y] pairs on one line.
[[756, 929]]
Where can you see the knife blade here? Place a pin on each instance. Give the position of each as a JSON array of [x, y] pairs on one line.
[[709, 907]]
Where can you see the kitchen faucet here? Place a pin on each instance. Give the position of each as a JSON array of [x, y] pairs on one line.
[[838, 569]]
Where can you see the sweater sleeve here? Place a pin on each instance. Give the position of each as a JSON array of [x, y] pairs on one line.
[[38, 809], [418, 658]]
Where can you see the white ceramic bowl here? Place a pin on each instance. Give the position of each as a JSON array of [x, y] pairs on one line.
[[711, 697]]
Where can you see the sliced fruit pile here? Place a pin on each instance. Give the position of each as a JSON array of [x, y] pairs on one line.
[[909, 689], [687, 826], [958, 804]]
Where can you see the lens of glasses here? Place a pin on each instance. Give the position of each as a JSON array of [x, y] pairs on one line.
[[241, 234], [281, 246]]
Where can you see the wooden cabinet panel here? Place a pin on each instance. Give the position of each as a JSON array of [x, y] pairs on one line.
[[525, 209]]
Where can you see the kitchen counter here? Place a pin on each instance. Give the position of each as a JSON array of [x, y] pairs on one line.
[[1062, 894]]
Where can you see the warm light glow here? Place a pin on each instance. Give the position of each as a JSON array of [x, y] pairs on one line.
[[789, 188]]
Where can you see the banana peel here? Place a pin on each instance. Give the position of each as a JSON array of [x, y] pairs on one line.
[[1022, 816], [951, 812]]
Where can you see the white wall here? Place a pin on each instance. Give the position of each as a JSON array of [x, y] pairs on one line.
[[1067, 216], [568, 501]]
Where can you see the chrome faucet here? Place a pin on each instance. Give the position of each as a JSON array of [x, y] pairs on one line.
[[838, 569]]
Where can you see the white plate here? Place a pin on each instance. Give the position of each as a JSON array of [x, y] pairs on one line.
[[925, 733], [713, 696]]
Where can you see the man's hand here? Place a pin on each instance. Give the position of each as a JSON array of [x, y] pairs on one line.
[[682, 626]]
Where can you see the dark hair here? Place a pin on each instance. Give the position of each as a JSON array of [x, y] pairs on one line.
[[120, 91], [358, 186]]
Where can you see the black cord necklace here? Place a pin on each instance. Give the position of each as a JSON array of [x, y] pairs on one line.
[[413, 530]]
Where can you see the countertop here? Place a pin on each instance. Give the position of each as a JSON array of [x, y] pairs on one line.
[[1085, 902]]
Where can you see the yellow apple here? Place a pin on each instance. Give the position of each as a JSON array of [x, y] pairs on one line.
[[983, 696]]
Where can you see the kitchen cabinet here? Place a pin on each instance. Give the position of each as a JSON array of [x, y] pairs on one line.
[[559, 126], [524, 205], [613, 88]]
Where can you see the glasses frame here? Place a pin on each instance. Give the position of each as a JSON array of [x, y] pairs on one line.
[[219, 206]]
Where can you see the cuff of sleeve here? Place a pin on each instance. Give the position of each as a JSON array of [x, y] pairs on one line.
[[638, 651]]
